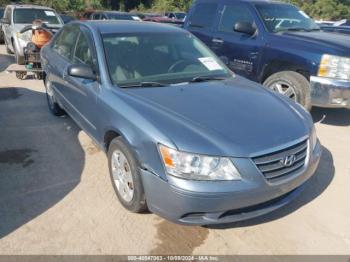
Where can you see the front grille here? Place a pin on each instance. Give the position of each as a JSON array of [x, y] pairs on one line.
[[284, 162]]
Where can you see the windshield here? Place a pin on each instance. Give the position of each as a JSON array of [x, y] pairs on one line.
[[168, 58], [1, 13], [282, 17], [180, 15], [120, 17], [27, 16]]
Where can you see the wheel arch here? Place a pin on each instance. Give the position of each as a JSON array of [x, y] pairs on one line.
[[280, 66], [109, 135]]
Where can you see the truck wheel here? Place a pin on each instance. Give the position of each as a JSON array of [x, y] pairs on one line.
[[21, 75], [291, 84], [126, 178], [54, 108]]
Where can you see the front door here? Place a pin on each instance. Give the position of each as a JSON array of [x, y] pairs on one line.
[[82, 93], [240, 51]]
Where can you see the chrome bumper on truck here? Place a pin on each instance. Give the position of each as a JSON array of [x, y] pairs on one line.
[[332, 93]]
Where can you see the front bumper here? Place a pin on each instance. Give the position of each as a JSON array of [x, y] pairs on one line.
[[332, 93], [204, 203]]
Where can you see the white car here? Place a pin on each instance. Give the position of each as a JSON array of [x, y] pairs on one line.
[[16, 17]]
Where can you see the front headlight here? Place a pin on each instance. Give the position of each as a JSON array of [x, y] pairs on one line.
[[197, 167], [313, 138], [335, 67], [26, 36]]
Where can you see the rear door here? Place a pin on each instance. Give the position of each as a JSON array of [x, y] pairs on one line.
[[201, 20], [62, 53], [240, 51]]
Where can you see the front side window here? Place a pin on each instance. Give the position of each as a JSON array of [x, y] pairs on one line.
[[83, 53], [65, 42], [175, 58], [1, 12], [204, 15], [283, 17], [180, 16], [27, 16], [233, 14], [96, 17]]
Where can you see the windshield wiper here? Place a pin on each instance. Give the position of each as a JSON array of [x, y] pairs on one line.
[[198, 79], [143, 84], [302, 29]]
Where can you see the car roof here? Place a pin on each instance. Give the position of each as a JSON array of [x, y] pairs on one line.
[[17, 6], [115, 12], [120, 26]]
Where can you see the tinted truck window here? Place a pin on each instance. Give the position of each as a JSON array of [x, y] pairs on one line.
[[204, 15], [233, 14]]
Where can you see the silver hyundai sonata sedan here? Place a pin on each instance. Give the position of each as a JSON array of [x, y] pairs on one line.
[[185, 137]]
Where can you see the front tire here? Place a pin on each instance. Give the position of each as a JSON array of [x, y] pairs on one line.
[[126, 176], [291, 84], [54, 108]]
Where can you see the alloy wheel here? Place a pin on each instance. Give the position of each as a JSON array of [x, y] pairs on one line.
[[285, 89], [122, 176]]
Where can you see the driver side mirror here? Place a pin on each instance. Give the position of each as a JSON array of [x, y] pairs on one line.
[[5, 21], [82, 71], [245, 28]]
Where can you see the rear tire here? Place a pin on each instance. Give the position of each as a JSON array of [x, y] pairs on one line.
[[291, 84], [126, 176], [54, 108]]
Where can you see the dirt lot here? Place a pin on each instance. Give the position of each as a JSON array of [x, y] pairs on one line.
[[56, 196]]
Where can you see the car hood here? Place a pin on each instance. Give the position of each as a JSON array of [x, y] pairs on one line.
[[232, 118], [19, 27], [326, 41]]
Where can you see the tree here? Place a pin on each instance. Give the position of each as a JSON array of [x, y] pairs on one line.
[[171, 5], [324, 9], [4, 2]]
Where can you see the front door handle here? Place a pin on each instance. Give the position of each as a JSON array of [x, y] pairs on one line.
[[218, 41]]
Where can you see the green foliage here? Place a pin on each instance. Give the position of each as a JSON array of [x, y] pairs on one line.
[[318, 9], [59, 5], [324, 9], [4, 2], [171, 5]]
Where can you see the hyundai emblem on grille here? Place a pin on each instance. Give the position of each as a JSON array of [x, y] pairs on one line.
[[289, 160]]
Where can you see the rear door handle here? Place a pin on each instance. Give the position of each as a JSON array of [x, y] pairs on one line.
[[218, 41]]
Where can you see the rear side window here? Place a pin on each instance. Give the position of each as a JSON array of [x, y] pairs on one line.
[[233, 14], [65, 42], [203, 15]]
